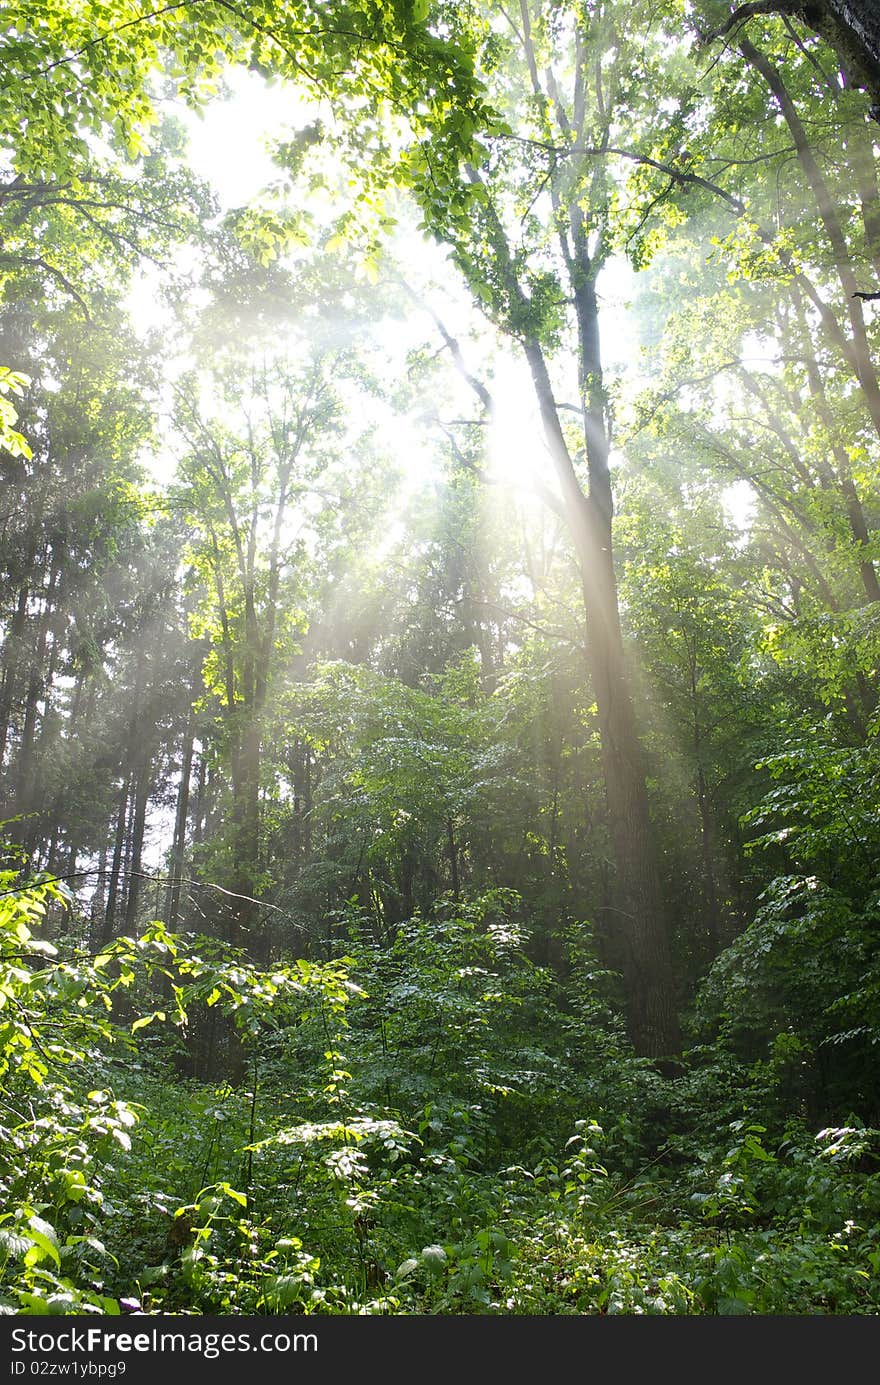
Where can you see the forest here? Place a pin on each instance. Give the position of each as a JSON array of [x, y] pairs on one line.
[[440, 614]]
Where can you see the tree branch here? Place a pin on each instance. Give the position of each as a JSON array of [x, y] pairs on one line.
[[678, 175], [744, 12]]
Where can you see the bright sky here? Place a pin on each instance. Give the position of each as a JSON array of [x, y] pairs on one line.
[[228, 140], [229, 149]]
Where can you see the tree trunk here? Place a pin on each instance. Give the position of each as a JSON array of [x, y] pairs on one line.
[[178, 846], [25, 782], [639, 923], [139, 818], [858, 346], [639, 934], [200, 810], [452, 849], [11, 660], [246, 816], [96, 906], [640, 937], [852, 28], [854, 511], [106, 934]]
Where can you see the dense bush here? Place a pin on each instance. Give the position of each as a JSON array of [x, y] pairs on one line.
[[429, 1123]]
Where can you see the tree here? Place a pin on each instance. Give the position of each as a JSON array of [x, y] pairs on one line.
[[850, 27], [569, 78], [252, 486]]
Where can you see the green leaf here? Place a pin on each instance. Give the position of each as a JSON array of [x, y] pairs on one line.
[[41, 1249], [147, 1019], [240, 1198]]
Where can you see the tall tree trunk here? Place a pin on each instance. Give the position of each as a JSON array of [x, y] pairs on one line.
[[854, 511], [200, 809], [859, 353], [106, 933], [133, 761], [452, 852], [136, 854], [639, 932], [96, 905], [246, 819], [852, 28], [640, 935], [11, 662], [181, 817], [46, 822], [707, 823], [27, 787], [863, 162]]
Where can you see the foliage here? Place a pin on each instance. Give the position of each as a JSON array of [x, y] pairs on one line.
[[12, 382], [348, 1194], [491, 688]]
